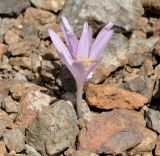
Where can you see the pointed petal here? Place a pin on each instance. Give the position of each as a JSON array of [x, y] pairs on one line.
[[70, 37], [101, 41], [62, 49], [84, 42]]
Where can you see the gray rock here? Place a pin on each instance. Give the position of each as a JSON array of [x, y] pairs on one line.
[[140, 49], [9, 105], [14, 140], [153, 119], [54, 129], [6, 122], [101, 12], [31, 151], [11, 7], [115, 55], [141, 84]]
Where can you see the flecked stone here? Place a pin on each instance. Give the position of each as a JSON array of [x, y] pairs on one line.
[[14, 140], [153, 119], [122, 130], [52, 5], [31, 151], [141, 84], [115, 55], [9, 105], [57, 133], [148, 143], [12, 7], [3, 49], [6, 122], [139, 49], [111, 97], [157, 150], [25, 47], [101, 12]]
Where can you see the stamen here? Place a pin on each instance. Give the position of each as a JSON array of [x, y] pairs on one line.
[[85, 59]]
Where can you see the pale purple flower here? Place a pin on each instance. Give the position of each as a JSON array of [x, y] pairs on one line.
[[81, 56]]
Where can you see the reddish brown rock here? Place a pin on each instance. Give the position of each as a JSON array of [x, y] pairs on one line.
[[3, 49], [112, 132], [52, 5], [111, 97], [157, 150]]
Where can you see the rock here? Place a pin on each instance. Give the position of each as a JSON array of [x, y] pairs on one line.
[[139, 49], [32, 62], [14, 140], [57, 133], [101, 12], [33, 99], [31, 151], [155, 28], [29, 29], [25, 47], [153, 119], [6, 24], [157, 150], [38, 17], [12, 36], [115, 55], [13, 7], [84, 153], [153, 6], [52, 5], [111, 97], [2, 148], [140, 84], [5, 121], [122, 130], [148, 143], [9, 105], [3, 49]]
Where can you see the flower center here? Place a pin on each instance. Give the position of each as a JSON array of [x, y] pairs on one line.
[[85, 59]]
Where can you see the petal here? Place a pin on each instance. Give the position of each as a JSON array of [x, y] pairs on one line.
[[62, 49], [70, 37], [101, 41], [84, 42]]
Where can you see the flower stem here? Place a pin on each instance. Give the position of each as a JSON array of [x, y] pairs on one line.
[[79, 100]]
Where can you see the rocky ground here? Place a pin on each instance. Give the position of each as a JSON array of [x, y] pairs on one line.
[[121, 111]]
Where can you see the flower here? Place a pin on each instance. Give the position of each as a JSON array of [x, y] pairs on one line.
[[81, 56]]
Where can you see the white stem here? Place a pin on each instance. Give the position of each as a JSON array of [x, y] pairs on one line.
[[79, 100]]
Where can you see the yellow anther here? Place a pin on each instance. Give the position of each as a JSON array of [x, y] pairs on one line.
[[85, 59]]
